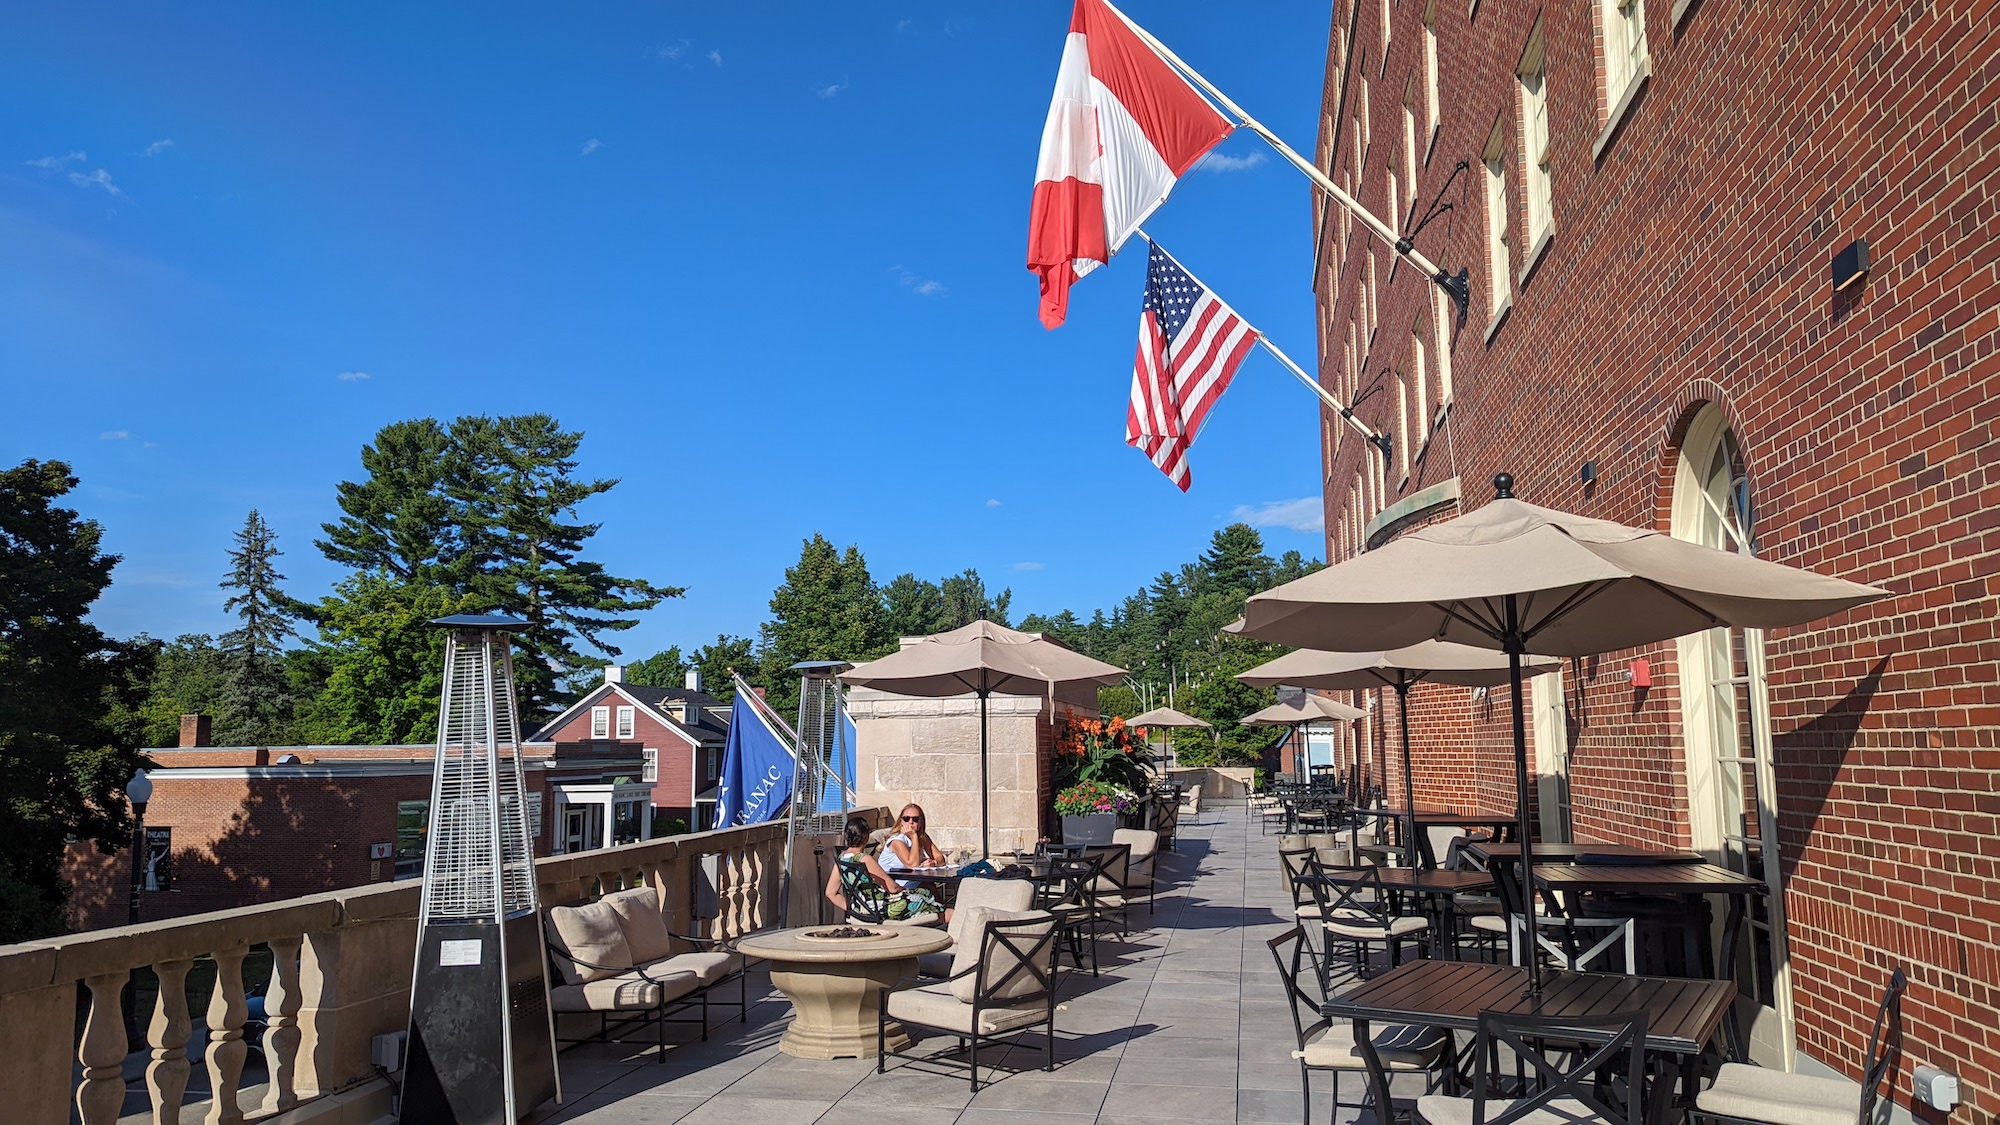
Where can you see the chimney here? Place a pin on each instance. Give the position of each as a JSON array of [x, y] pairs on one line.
[[614, 673], [694, 679], [194, 730]]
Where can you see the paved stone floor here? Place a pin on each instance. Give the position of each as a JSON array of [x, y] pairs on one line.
[[1186, 1024]]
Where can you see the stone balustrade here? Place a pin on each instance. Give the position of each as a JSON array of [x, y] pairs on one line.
[[341, 976]]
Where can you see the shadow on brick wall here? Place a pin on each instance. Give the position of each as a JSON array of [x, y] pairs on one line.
[[1808, 760]]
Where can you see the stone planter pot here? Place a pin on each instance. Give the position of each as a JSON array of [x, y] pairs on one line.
[[1095, 828]]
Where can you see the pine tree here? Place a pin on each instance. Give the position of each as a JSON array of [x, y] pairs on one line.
[[964, 596], [911, 607], [662, 669], [257, 700], [827, 609], [1235, 560], [714, 661]]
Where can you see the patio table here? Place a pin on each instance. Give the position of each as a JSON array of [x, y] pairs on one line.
[[1423, 817], [1686, 880], [1683, 1015], [1439, 890], [1583, 851], [834, 985]]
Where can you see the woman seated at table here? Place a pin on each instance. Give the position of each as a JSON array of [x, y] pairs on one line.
[[911, 846], [901, 903]]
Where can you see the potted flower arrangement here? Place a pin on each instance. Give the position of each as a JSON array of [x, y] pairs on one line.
[[1105, 752], [1090, 811]]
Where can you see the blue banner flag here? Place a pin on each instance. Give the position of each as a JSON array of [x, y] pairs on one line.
[[756, 767], [837, 795]]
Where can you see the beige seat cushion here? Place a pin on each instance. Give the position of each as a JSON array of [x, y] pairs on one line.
[[966, 953], [1438, 1109], [627, 993], [1000, 894], [1399, 1046], [645, 927], [912, 920], [1760, 1094], [1398, 927], [707, 968], [933, 1005], [589, 933], [1143, 841]]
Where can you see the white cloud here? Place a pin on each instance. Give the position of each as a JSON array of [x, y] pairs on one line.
[[99, 178], [149, 445], [353, 376], [993, 503], [590, 146], [1222, 162], [831, 91], [1029, 565], [53, 163], [902, 26], [715, 56], [114, 435], [917, 283], [673, 51], [1307, 513], [158, 147]]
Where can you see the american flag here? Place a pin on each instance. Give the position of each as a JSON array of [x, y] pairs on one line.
[[1190, 345]]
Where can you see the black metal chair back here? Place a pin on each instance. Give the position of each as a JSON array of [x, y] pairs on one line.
[[1289, 951], [1606, 1078], [1016, 963], [1885, 1044], [867, 900]]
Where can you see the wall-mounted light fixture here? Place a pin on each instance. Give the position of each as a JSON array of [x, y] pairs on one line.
[[1850, 264]]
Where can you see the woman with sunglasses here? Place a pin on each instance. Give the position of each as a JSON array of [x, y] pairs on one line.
[[900, 905], [911, 846]]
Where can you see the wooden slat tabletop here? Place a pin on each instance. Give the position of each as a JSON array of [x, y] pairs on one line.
[[1646, 879], [1582, 850], [1682, 1014]]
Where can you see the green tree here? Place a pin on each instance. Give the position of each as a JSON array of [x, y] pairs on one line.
[[1063, 627], [714, 661], [662, 669], [485, 510], [965, 598], [383, 662], [1235, 561], [827, 609], [257, 702], [187, 678], [911, 607], [68, 697]]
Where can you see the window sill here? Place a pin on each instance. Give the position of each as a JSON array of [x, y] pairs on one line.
[[1535, 253], [1471, 11], [1640, 76], [1431, 145], [1681, 9], [1500, 312]]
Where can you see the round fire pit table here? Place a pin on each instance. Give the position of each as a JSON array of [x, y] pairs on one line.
[[833, 984]]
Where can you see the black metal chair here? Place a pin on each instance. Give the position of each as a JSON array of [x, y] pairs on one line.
[[1007, 990], [1114, 883], [1745, 1094], [1596, 1082], [1354, 909], [1069, 892], [868, 900], [1327, 1046]]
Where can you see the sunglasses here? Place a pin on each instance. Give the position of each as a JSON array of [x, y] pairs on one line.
[[913, 820]]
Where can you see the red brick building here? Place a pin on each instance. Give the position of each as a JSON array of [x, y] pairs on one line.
[[1663, 332], [681, 732]]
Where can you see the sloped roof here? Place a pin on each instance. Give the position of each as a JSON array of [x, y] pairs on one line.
[[706, 728]]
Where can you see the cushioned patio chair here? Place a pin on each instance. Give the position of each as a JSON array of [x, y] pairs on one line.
[[613, 959], [999, 894], [1744, 1093], [1002, 984], [1353, 909], [1328, 1046], [868, 902], [1145, 847]]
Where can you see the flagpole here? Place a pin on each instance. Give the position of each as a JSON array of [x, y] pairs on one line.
[[1459, 287], [1378, 440]]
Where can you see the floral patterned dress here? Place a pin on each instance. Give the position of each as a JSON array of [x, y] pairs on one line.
[[901, 905]]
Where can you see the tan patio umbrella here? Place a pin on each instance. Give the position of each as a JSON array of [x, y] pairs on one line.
[[1307, 708], [1515, 577], [1440, 662], [980, 659], [1165, 717]]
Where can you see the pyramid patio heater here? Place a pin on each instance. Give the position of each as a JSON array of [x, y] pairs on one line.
[[482, 1044]]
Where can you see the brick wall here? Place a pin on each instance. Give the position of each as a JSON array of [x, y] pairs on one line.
[[1688, 267]]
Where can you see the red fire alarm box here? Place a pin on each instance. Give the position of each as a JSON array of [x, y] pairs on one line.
[[1642, 674]]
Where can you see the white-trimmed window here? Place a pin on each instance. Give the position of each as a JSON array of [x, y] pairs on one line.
[[1385, 35], [1499, 224], [1403, 426], [1410, 142], [1374, 299], [625, 722], [1420, 382], [1432, 116], [1536, 180], [600, 722], [1366, 140], [650, 772], [1442, 311], [1624, 46], [714, 763], [1395, 203]]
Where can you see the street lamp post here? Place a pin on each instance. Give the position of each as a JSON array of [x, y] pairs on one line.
[[139, 790]]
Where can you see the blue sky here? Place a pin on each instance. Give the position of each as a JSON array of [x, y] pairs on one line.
[[769, 257]]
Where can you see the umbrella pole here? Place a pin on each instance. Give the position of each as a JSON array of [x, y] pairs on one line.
[[984, 830], [1516, 645], [1409, 782]]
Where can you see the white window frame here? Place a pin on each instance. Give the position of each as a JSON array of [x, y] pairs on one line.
[[1420, 381], [1410, 164], [1387, 27], [1537, 179], [650, 772], [600, 722], [714, 763], [626, 719], [1403, 427], [1499, 228], [1441, 322], [1432, 115], [1625, 60]]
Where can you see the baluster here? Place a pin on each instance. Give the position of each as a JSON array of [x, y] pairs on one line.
[[102, 1053], [226, 1012], [167, 1074], [281, 1010]]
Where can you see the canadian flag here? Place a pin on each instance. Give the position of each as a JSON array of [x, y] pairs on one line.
[[1122, 128]]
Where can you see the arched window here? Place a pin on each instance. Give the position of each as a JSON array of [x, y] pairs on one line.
[[1726, 721]]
